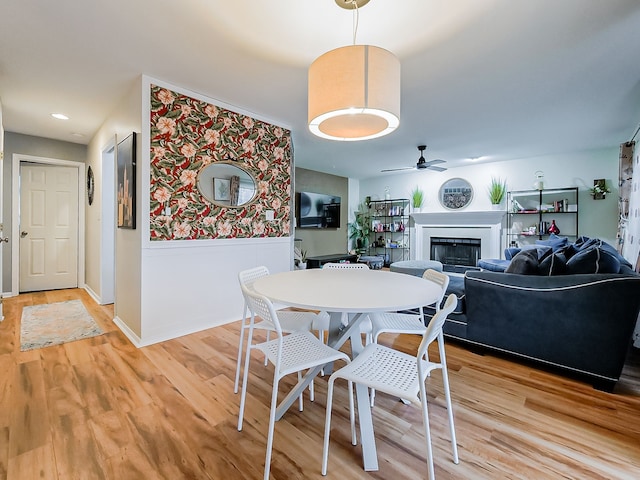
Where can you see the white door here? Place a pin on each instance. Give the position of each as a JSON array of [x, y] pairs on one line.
[[48, 227]]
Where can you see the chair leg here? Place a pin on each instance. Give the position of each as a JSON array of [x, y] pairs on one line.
[[327, 425], [427, 430], [447, 394], [300, 398], [245, 375], [352, 415], [240, 347], [272, 422]]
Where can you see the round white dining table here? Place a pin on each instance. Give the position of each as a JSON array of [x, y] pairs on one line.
[[352, 291]]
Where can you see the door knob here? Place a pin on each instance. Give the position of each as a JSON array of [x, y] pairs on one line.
[[4, 239], [23, 234]]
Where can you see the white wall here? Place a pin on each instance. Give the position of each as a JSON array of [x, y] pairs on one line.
[[596, 218], [188, 285], [126, 117]]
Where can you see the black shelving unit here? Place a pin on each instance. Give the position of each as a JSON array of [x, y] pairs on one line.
[[531, 213], [389, 222]]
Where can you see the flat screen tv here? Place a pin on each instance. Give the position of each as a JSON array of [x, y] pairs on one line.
[[318, 210]]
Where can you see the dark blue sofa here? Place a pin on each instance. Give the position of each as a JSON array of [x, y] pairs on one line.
[[581, 323]]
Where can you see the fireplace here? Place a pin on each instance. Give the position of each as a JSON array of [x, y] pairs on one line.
[[463, 252], [484, 226]]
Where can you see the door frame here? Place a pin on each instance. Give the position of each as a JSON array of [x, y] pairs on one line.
[[15, 211]]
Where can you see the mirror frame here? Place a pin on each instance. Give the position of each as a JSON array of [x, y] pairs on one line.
[[211, 199], [455, 201]]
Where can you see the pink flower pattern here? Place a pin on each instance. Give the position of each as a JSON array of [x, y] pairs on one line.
[[186, 135]]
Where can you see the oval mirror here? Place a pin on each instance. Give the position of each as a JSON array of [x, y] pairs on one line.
[[226, 184], [455, 194]]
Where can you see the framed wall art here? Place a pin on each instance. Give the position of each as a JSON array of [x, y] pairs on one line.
[[221, 189], [455, 193], [126, 195]]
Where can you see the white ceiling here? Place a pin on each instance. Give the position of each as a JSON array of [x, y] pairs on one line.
[[498, 79]]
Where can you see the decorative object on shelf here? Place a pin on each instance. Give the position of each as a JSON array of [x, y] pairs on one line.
[[497, 190], [417, 198], [599, 190], [538, 183], [553, 228], [387, 193], [455, 194], [354, 91]]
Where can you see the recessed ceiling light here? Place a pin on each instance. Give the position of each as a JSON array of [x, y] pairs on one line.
[[477, 159], [60, 116]]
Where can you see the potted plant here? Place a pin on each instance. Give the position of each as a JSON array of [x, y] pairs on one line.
[[417, 198], [599, 190], [359, 231], [497, 189], [300, 258]]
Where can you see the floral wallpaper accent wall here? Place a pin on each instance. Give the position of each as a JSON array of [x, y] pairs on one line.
[[187, 135]]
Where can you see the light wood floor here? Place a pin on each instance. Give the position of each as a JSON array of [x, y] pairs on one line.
[[101, 409]]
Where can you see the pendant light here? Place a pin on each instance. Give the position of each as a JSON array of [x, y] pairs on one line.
[[354, 91]]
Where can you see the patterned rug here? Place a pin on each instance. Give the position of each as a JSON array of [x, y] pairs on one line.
[[55, 323]]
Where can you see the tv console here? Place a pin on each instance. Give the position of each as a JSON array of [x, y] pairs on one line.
[[319, 260]]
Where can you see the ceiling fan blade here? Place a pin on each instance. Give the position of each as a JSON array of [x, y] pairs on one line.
[[437, 169], [435, 161], [396, 169]]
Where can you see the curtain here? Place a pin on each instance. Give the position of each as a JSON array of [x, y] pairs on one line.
[[629, 209]]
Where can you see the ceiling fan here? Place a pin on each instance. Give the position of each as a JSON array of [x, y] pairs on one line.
[[422, 163]]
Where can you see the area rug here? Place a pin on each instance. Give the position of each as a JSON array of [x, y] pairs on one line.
[[55, 323]]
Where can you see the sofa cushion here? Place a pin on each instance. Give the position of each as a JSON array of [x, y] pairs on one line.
[[593, 260], [554, 241], [456, 286], [524, 263], [493, 264]]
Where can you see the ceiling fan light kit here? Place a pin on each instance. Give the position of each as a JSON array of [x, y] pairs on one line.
[[354, 91]]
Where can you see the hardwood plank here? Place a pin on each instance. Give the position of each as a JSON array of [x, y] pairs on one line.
[[36, 464]]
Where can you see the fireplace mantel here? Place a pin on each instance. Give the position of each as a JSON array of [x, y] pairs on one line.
[[490, 217]]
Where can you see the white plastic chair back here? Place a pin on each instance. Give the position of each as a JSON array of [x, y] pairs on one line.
[[347, 266], [434, 329], [439, 278], [262, 307]]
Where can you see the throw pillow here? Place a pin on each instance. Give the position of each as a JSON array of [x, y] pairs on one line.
[[524, 263], [593, 260], [554, 241], [554, 264]]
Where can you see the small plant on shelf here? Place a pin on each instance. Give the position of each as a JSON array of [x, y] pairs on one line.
[[497, 190], [599, 189], [417, 198]]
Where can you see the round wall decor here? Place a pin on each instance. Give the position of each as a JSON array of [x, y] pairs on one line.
[[455, 193], [90, 184]]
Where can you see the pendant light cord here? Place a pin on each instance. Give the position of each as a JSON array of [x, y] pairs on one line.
[[356, 18]]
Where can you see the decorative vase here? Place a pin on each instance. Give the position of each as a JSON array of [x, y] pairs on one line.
[[496, 206], [553, 228]]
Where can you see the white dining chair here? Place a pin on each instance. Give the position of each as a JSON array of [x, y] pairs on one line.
[[365, 324], [290, 321], [293, 353], [400, 375], [408, 323]]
